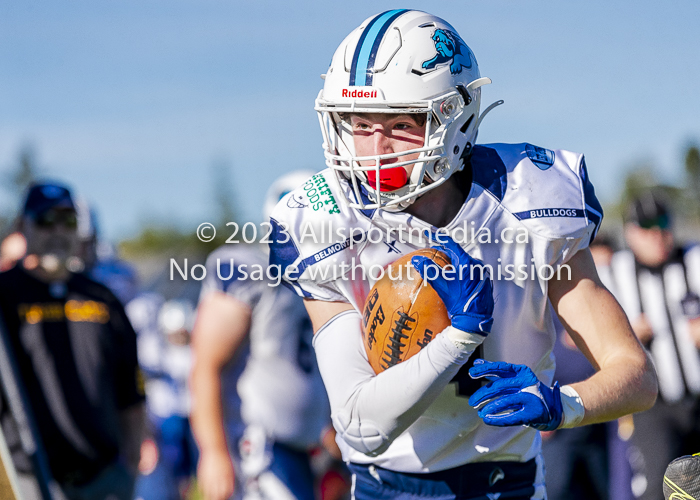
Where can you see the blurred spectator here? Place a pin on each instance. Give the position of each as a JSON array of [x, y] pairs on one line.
[[100, 258], [658, 282], [602, 250], [12, 249], [76, 353], [282, 401], [163, 332]]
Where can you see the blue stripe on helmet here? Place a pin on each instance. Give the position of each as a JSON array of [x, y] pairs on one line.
[[368, 45]]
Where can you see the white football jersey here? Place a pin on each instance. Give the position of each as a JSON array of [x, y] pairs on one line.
[[165, 365], [280, 388], [528, 208]]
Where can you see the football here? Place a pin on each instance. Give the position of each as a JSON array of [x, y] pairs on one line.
[[402, 314]]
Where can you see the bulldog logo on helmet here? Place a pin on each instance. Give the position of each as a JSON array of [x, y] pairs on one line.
[[450, 48]]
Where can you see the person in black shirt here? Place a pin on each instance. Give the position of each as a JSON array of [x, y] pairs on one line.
[[76, 354]]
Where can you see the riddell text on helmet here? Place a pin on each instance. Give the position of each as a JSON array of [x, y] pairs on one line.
[[359, 93]]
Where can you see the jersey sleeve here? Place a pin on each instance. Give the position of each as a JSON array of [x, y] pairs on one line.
[[548, 192], [315, 239], [587, 216], [238, 272]]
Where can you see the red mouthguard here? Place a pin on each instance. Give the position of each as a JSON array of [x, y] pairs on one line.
[[390, 179]]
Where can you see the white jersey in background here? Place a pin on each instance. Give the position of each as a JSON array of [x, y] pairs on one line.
[[279, 386], [166, 366], [528, 208]]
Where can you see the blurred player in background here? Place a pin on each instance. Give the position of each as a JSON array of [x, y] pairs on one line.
[[399, 113], [100, 257], [258, 400], [76, 352], [658, 284], [168, 454], [168, 460]]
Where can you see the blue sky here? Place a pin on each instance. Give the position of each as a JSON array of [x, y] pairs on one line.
[[133, 101]]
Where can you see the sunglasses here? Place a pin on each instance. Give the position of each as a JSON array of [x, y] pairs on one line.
[[661, 221], [51, 218]]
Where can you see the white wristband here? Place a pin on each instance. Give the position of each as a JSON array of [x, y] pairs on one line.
[[573, 410], [464, 341]]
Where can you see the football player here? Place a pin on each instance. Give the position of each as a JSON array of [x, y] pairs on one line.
[[257, 394], [399, 113]]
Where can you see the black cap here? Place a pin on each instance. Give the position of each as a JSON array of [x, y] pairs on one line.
[[45, 196], [649, 210]]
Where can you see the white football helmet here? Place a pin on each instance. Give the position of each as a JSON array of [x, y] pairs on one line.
[[401, 61], [176, 315]]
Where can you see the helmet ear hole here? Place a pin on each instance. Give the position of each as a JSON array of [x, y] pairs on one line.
[[464, 127]]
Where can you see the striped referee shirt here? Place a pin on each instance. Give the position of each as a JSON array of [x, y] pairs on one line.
[[668, 296]]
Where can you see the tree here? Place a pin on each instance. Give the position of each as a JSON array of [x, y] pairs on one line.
[[640, 180], [21, 175], [692, 187], [26, 171], [156, 238], [637, 182], [223, 194]]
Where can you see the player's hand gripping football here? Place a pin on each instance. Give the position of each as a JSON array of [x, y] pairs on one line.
[[515, 396], [469, 302]]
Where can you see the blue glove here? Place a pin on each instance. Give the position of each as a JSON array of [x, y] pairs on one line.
[[515, 397], [469, 302]]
